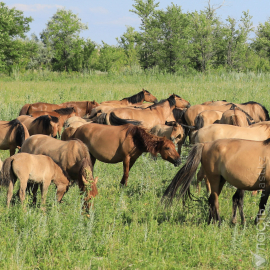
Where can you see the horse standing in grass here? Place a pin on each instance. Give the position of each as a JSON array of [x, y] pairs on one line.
[[72, 156], [37, 169], [45, 124], [12, 135], [113, 144], [242, 163]]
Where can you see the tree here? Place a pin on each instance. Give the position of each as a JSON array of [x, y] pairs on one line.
[[62, 36], [13, 26]]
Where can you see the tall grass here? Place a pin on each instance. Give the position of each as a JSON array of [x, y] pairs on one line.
[[128, 227]]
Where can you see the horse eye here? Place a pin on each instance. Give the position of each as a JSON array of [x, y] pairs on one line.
[[167, 148]]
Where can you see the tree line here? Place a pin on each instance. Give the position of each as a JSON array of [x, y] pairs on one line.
[[168, 41]]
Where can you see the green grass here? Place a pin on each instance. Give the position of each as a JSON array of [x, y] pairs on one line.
[[128, 227]]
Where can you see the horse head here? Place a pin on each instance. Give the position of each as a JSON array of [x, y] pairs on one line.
[[148, 97], [168, 152]]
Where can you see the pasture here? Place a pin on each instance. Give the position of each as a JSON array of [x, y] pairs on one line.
[[129, 228]]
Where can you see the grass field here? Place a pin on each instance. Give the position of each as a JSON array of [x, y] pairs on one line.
[[129, 228]]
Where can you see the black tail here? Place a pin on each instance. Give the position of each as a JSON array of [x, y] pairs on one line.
[[116, 121], [20, 134], [7, 173], [184, 177], [199, 122]]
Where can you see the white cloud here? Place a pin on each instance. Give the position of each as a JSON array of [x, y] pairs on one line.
[[35, 7], [99, 10]]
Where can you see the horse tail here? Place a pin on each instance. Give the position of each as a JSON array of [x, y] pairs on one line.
[[7, 173], [199, 122], [101, 119], [116, 121], [20, 132], [184, 176], [24, 109]]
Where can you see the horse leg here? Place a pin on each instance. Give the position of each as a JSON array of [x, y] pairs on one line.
[[12, 151], [44, 189], [126, 164], [263, 201], [200, 176], [9, 193], [93, 160], [238, 200], [34, 191], [23, 186]]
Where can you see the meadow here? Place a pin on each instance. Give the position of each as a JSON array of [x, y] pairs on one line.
[[128, 227]]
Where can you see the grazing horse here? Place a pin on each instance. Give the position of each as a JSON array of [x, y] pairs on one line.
[[45, 124], [257, 111], [113, 144], [72, 156], [237, 117], [137, 99], [62, 114], [206, 118], [242, 163], [12, 135], [148, 118], [39, 169]]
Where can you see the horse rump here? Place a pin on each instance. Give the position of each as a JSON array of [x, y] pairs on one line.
[[116, 121], [7, 173]]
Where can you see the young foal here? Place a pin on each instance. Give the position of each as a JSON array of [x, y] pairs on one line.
[[33, 168]]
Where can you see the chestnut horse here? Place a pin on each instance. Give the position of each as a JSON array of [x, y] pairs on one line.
[[12, 135], [242, 163], [113, 144], [257, 111], [82, 107], [72, 156], [45, 124], [62, 114], [39, 169], [149, 117], [137, 99]]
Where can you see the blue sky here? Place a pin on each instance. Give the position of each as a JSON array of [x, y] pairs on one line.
[[107, 19]]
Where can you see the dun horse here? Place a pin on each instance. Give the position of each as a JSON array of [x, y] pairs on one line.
[[206, 118], [12, 135], [136, 99], [72, 156], [45, 124], [38, 169], [242, 163], [113, 144]]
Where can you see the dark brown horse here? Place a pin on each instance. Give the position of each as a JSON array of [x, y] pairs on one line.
[[113, 144], [72, 156], [12, 135]]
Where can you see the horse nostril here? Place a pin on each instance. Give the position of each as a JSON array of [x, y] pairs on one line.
[[188, 105], [177, 162]]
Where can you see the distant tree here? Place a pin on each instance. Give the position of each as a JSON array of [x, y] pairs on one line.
[[62, 37], [13, 26]]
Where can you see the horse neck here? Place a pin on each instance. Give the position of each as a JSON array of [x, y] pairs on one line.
[[59, 177], [165, 110]]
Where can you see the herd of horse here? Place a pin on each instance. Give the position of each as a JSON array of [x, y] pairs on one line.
[[60, 143]]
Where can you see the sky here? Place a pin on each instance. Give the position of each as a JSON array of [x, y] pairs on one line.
[[107, 19]]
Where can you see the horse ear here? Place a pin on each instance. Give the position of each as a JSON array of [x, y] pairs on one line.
[[84, 180], [143, 90], [174, 95], [96, 180]]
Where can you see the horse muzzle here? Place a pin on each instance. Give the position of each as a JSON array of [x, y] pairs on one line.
[[188, 105], [177, 162]]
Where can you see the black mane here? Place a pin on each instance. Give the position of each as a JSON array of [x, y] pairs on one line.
[[171, 100], [45, 120], [266, 142], [65, 111], [136, 98]]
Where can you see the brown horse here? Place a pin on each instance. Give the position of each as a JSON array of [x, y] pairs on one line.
[[72, 156], [72, 119], [237, 117], [148, 118], [62, 114], [39, 169], [242, 163], [206, 118], [82, 107], [257, 111], [113, 144], [45, 124], [137, 99], [12, 135]]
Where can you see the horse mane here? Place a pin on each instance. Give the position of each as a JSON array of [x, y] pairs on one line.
[[136, 98], [267, 118], [65, 111], [179, 114], [170, 99], [145, 141], [63, 171], [20, 134], [45, 120], [266, 142], [234, 106]]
